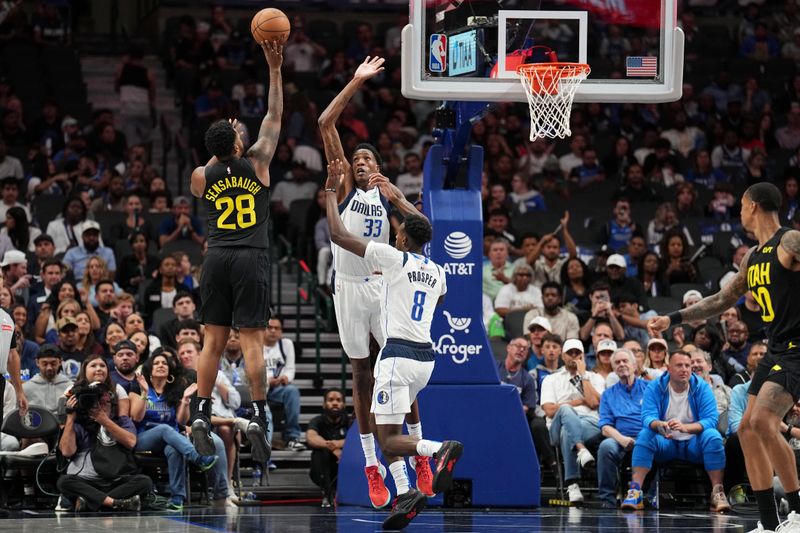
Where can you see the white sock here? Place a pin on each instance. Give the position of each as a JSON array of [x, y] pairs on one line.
[[427, 448], [400, 475], [368, 445], [415, 430]]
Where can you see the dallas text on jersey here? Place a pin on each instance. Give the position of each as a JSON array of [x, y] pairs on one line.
[[368, 210], [232, 182]]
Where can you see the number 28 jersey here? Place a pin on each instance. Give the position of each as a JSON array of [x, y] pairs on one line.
[[412, 285], [777, 291], [365, 214], [237, 205]]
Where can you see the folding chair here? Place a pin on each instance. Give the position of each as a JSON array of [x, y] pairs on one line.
[[38, 423]]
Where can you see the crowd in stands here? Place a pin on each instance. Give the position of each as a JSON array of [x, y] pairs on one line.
[[100, 258]]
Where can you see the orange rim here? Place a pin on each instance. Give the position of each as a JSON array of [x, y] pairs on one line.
[[567, 70]]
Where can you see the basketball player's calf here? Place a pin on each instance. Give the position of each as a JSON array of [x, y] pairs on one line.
[[252, 342], [766, 450], [396, 446]]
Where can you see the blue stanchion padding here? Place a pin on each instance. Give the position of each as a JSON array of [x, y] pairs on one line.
[[499, 457], [457, 331]]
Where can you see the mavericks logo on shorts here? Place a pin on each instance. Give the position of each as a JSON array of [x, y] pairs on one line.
[[383, 397]]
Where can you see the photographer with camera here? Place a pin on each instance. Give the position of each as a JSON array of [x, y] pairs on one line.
[[98, 442], [602, 311], [159, 419]]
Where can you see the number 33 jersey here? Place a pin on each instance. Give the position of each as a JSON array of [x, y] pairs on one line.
[[365, 214], [412, 285], [237, 205], [776, 290]]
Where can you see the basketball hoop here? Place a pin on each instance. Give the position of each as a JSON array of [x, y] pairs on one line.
[[550, 88]]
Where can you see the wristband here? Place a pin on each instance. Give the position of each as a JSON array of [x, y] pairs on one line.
[[789, 430], [675, 318]]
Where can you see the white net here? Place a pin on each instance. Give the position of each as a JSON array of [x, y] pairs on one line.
[[550, 88]]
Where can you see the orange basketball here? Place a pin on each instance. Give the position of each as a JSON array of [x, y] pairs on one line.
[[270, 24]]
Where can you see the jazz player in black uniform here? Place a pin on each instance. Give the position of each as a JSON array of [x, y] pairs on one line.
[[234, 285], [771, 272]]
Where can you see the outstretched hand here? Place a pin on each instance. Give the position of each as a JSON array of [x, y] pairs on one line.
[[386, 187], [656, 325], [273, 52], [335, 174], [370, 68]]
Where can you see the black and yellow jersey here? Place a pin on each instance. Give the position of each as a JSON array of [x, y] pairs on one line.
[[237, 205], [777, 291]]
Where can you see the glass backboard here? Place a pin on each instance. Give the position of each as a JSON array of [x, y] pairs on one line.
[[451, 48]]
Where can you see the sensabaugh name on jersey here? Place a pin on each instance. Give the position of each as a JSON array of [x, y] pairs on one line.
[[422, 277]]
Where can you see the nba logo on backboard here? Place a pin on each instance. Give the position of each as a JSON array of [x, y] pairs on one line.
[[438, 55]]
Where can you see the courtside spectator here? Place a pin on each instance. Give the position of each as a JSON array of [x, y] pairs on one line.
[[512, 372], [679, 419], [163, 408], [570, 399], [325, 436], [279, 360], [94, 483], [551, 359], [126, 359], [641, 370], [701, 367], [603, 351], [620, 423], [537, 329], [49, 385]]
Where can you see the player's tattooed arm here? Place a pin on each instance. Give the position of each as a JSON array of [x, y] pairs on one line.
[[264, 148], [708, 307], [394, 195], [791, 243], [339, 234]]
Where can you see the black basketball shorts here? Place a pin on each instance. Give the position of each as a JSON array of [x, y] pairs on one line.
[[234, 287], [783, 369]]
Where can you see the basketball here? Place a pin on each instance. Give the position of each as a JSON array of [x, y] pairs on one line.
[[270, 24]]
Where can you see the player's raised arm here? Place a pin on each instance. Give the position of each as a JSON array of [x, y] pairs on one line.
[[327, 121], [707, 307], [260, 154], [394, 195], [339, 234]]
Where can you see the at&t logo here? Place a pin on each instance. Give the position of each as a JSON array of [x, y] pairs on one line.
[[458, 245]]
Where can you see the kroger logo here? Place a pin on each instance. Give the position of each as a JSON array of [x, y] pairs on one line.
[[448, 345], [458, 245]]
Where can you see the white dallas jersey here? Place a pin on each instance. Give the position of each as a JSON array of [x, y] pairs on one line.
[[412, 285], [366, 215]]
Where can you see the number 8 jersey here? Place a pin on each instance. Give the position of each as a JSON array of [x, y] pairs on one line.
[[366, 215], [237, 205], [412, 285]]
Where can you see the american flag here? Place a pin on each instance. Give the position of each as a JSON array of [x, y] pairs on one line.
[[644, 66]]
